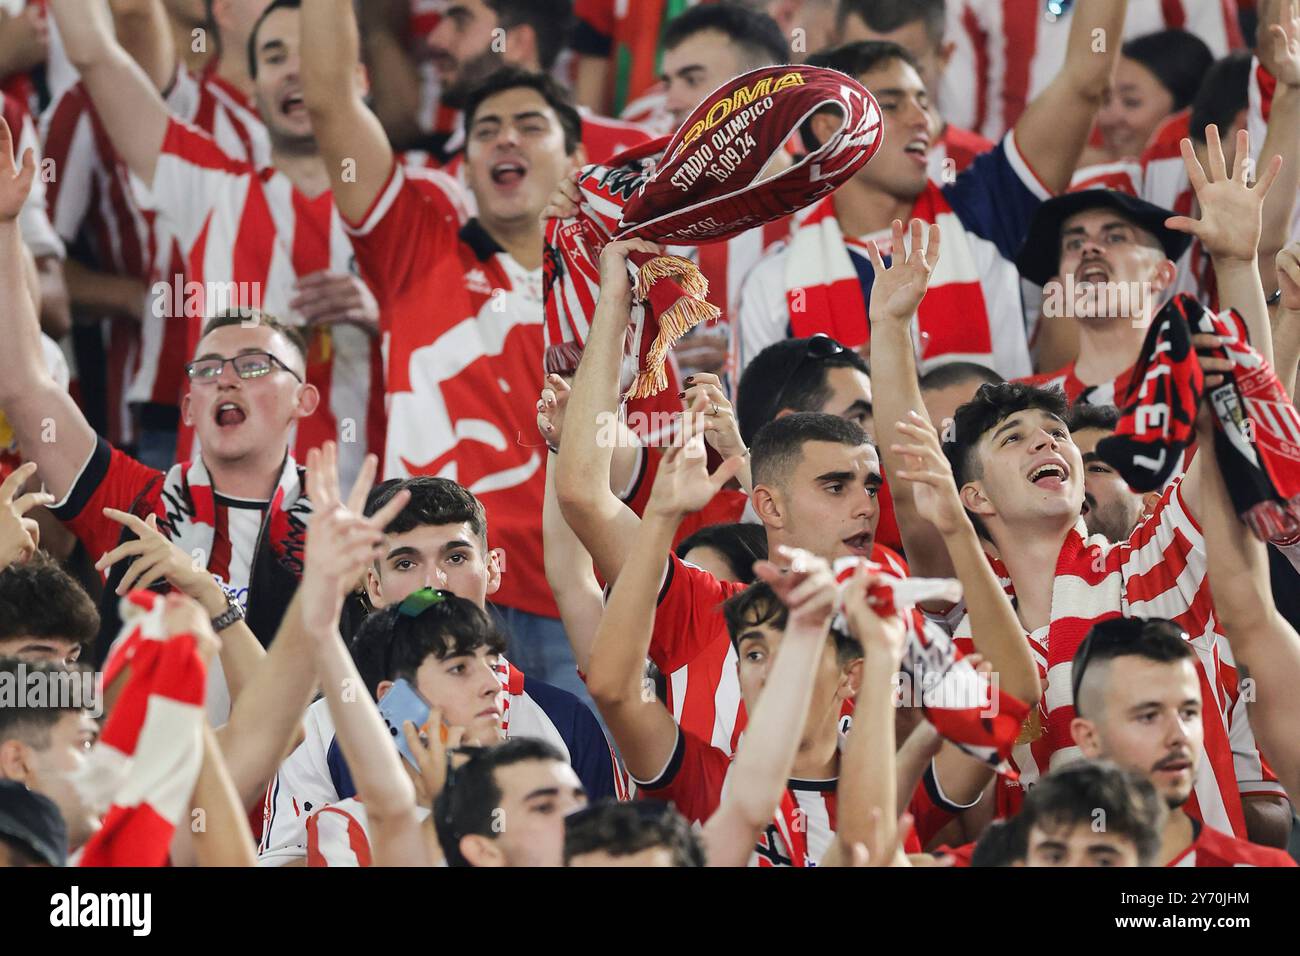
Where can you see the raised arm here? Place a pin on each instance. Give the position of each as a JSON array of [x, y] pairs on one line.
[[128, 104], [142, 28], [995, 629], [1054, 127], [760, 772], [1286, 327], [603, 524], [643, 729], [352, 140], [895, 296], [394, 78], [49, 427], [1264, 645], [1280, 55], [223, 839], [340, 544]]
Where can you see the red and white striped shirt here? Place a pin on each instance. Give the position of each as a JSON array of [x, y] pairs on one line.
[[1007, 52], [1213, 848], [1065, 379], [248, 235]]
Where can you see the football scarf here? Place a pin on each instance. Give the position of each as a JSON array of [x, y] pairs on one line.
[[1257, 429], [190, 508], [962, 704], [144, 766], [701, 185]]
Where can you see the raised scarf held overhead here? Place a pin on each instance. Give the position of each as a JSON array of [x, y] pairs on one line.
[[699, 186], [1256, 427]]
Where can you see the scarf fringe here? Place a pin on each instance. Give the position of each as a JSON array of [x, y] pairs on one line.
[[684, 315]]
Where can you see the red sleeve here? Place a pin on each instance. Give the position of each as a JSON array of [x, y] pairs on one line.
[[110, 479], [689, 615], [692, 780], [594, 32], [412, 223]]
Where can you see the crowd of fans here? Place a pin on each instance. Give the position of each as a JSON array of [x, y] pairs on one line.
[[966, 532]]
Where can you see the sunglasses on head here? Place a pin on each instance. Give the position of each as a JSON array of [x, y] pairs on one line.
[[819, 347]]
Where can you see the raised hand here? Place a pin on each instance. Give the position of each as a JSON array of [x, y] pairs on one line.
[[873, 631], [614, 279], [20, 535], [183, 615], [807, 588], [550, 410], [341, 541], [929, 471], [1231, 208], [896, 292], [563, 202], [1280, 53], [684, 484], [715, 416], [15, 180], [156, 558], [330, 298]]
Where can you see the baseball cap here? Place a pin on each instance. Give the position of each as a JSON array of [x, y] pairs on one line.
[[1040, 256], [33, 820]]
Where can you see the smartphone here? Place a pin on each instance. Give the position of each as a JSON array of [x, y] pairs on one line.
[[402, 703]]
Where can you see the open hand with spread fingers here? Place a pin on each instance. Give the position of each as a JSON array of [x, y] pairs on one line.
[[897, 291], [929, 471], [20, 535]]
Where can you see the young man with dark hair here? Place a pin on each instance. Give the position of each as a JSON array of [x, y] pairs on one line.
[[1092, 814], [814, 374], [1020, 476], [44, 747], [438, 540], [462, 388], [821, 280], [526, 782], [640, 833], [474, 38], [44, 614], [1138, 702], [1110, 506], [917, 27], [1001, 844]]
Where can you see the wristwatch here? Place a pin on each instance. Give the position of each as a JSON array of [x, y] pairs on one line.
[[234, 612]]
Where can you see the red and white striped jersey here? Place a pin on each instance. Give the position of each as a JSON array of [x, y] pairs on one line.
[[695, 777], [222, 111], [1160, 571], [248, 235], [463, 379], [1213, 848], [1006, 51], [1065, 379]]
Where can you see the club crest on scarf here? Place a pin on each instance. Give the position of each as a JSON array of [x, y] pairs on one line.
[[700, 185]]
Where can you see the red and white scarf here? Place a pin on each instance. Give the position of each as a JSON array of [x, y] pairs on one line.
[[190, 513], [702, 185], [147, 759], [962, 704], [824, 294]]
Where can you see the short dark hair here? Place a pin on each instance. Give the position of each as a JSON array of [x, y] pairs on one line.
[[32, 722], [624, 828], [434, 501], [758, 36], [1086, 415], [550, 20], [853, 59], [758, 400], [245, 317], [1072, 795], [758, 605], [1001, 844], [886, 16], [958, 373], [40, 599], [1178, 59], [273, 6], [992, 405], [741, 544], [1153, 639], [468, 802], [512, 77], [389, 645], [1222, 95], [778, 446]]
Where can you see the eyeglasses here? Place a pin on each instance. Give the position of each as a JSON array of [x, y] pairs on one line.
[[820, 347], [247, 365]]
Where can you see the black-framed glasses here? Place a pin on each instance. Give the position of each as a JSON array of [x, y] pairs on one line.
[[820, 347], [247, 365]]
